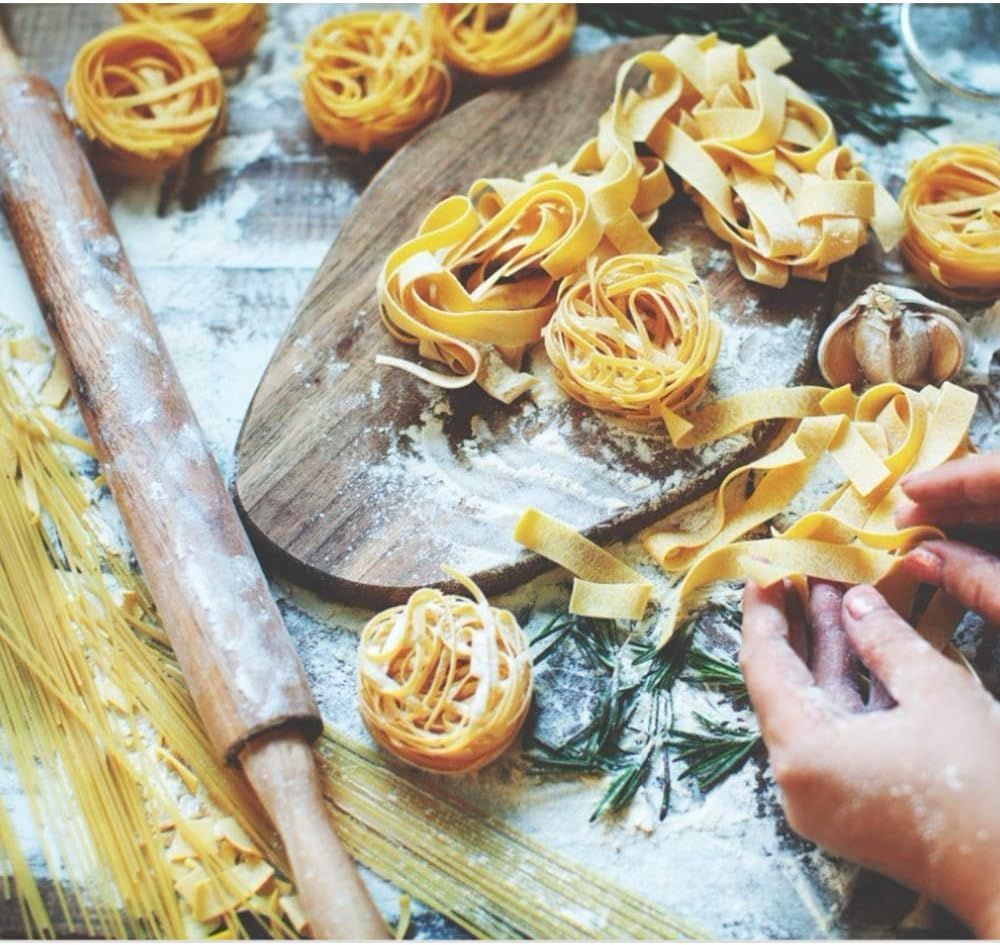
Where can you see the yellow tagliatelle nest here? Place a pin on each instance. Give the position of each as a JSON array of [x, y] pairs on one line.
[[501, 39], [951, 204], [444, 681], [229, 31], [371, 80], [633, 335], [146, 95]]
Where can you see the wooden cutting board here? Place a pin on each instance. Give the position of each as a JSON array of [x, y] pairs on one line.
[[360, 480]]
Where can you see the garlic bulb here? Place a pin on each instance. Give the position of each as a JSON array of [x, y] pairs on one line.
[[890, 333]]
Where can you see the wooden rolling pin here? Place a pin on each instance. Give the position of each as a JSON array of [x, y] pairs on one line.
[[238, 660]]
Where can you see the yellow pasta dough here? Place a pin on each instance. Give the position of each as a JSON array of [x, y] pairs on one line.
[[146, 95], [444, 681], [372, 80], [633, 335], [229, 31], [951, 203], [501, 39]]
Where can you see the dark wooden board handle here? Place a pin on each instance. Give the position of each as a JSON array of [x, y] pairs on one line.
[[239, 662]]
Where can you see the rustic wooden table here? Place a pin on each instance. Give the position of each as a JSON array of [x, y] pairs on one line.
[[224, 248]]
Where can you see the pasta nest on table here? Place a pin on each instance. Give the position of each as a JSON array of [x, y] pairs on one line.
[[501, 39], [146, 95], [633, 335], [229, 31], [372, 80], [444, 681], [951, 204]]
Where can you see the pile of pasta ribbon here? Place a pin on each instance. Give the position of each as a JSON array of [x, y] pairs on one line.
[[875, 439], [371, 80], [444, 681], [482, 277], [634, 335], [501, 39], [229, 31], [146, 95], [951, 204]]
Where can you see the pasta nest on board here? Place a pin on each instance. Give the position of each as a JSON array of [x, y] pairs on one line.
[[633, 335], [444, 681], [372, 80], [501, 39], [146, 95], [229, 31]]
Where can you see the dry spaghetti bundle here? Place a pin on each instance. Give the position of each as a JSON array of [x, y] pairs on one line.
[[501, 39], [229, 31], [633, 335], [445, 681], [146, 95], [951, 203], [371, 80]]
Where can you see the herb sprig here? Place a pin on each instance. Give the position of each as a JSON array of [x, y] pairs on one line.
[[837, 51], [638, 674]]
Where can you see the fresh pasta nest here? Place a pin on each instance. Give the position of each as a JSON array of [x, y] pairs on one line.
[[146, 96], [229, 31], [371, 80], [501, 39], [951, 205], [444, 681], [633, 335]]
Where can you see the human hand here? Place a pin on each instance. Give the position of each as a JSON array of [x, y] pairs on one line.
[[908, 790], [964, 492]]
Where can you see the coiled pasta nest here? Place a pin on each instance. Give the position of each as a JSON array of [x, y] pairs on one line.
[[372, 80], [146, 96], [501, 39], [444, 681], [633, 336], [951, 207], [229, 31]]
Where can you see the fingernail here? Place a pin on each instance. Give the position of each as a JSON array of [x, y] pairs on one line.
[[929, 563], [904, 512], [862, 600]]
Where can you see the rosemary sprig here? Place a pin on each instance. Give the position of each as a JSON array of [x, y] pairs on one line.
[[837, 49], [714, 753], [713, 669]]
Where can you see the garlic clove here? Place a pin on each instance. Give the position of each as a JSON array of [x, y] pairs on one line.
[[890, 333]]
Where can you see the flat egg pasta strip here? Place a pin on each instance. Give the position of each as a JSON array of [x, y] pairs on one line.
[[371, 80]]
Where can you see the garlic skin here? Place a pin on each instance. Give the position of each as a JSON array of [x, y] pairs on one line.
[[890, 333]]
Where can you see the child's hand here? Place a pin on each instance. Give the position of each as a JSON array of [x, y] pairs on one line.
[[909, 790], [965, 492]]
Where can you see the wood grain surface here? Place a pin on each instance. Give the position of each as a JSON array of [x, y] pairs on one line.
[[361, 480]]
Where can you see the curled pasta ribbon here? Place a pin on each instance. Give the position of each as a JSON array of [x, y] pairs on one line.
[[480, 280], [603, 586], [633, 335], [444, 681], [876, 439], [759, 157], [229, 31], [501, 39], [146, 95], [371, 80], [951, 204]]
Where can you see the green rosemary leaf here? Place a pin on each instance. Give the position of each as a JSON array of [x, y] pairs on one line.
[[712, 669], [714, 753]]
